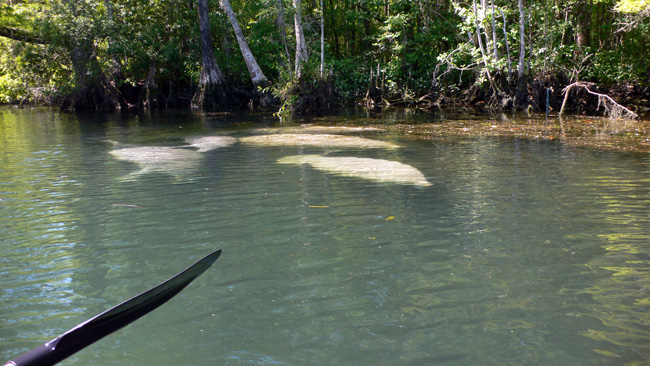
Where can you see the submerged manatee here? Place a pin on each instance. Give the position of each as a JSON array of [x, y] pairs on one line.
[[178, 162], [324, 140], [378, 170], [207, 143], [319, 129]]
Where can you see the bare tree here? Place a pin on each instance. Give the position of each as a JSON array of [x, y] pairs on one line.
[[282, 27], [479, 37], [505, 37], [302, 54], [257, 76], [322, 39], [521, 73], [494, 33]]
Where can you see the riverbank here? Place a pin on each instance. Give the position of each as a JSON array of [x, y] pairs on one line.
[[542, 94], [324, 97]]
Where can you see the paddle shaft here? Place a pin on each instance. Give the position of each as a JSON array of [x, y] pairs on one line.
[[112, 319]]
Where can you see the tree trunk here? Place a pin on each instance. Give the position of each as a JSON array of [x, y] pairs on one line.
[[115, 70], [212, 84], [334, 32], [483, 52], [494, 33], [485, 29], [521, 74], [302, 54], [583, 14], [93, 90], [282, 26], [257, 76], [322, 40], [479, 36], [150, 93], [505, 37]]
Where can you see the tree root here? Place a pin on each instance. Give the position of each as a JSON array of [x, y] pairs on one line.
[[612, 109], [313, 96]]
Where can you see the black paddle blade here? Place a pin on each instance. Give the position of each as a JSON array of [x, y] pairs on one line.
[[112, 319]]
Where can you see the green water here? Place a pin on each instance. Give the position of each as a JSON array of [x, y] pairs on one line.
[[518, 253]]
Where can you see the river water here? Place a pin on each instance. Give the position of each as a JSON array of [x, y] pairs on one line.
[[511, 252]]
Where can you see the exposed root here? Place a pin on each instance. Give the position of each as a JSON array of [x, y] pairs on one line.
[[612, 109], [310, 96]]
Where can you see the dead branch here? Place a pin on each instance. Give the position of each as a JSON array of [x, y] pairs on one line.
[[612, 109]]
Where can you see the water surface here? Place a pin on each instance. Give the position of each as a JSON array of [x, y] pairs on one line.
[[518, 252]]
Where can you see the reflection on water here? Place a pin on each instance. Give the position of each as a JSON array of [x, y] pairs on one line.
[[623, 291], [518, 252]]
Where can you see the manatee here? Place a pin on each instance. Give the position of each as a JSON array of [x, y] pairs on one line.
[[378, 170], [323, 140], [207, 143], [319, 129], [177, 162]]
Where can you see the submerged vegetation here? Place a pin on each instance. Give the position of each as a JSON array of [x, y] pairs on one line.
[[310, 56], [592, 132]]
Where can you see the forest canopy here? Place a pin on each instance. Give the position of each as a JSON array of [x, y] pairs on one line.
[[105, 54]]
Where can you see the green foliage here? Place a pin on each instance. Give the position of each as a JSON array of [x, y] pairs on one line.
[[633, 6], [412, 47], [352, 78], [31, 73]]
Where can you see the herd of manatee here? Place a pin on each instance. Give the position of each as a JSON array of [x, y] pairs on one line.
[[180, 161]]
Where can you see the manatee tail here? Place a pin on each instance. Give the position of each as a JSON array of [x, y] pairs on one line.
[[111, 142], [133, 176]]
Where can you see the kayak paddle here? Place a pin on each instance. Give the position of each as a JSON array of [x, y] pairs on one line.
[[112, 319]]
